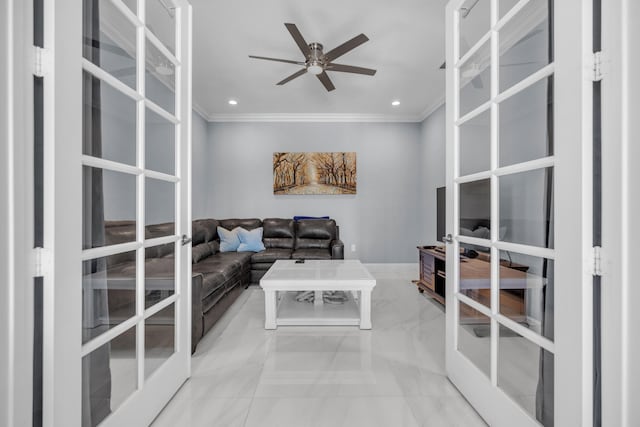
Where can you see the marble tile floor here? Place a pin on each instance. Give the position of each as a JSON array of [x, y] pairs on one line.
[[391, 376]]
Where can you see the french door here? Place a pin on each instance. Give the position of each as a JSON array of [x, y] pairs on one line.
[[117, 111], [519, 194]]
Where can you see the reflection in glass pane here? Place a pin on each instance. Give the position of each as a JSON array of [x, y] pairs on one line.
[[526, 124], [475, 21], [159, 279], [475, 208], [525, 373], [475, 144], [108, 293], [109, 377], [505, 6], [109, 40], [160, 143], [161, 22], [475, 80], [131, 4], [475, 275], [159, 208], [526, 207], [474, 337], [159, 333], [160, 79], [524, 43], [527, 291], [108, 122], [109, 207]]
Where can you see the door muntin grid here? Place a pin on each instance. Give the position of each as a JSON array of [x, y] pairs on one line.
[[495, 300], [145, 239]]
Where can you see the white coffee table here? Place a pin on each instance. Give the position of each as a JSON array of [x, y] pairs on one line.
[[286, 276]]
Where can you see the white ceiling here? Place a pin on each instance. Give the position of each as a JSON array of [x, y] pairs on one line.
[[406, 46]]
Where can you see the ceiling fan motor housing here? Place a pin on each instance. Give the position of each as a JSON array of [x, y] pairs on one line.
[[315, 62]]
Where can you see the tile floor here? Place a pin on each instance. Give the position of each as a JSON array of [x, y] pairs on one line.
[[391, 376]]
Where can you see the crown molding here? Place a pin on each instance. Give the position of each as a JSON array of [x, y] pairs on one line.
[[319, 117], [201, 111], [431, 108]]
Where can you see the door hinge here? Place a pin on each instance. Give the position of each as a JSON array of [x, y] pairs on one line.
[[41, 262], [598, 67], [41, 61], [597, 261]]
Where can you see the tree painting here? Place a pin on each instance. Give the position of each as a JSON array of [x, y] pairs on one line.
[[314, 173]]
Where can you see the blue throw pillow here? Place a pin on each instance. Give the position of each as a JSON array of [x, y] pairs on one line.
[[229, 240], [250, 241]]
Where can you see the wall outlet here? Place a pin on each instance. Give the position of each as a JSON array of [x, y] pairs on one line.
[[353, 247]]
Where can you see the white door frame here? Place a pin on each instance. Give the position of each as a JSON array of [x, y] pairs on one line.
[[63, 176], [573, 220], [16, 213], [620, 207]]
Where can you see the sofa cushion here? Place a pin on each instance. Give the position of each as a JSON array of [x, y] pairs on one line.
[[278, 233], [213, 289], [204, 230], [247, 224], [201, 251], [159, 230], [229, 239], [311, 253], [315, 233], [271, 255], [216, 264], [215, 246], [250, 240]]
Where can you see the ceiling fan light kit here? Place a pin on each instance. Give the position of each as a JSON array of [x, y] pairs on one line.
[[318, 63]]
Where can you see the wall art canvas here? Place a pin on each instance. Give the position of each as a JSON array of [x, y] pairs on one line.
[[314, 173]]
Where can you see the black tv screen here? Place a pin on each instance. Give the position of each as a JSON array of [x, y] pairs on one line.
[[441, 213]]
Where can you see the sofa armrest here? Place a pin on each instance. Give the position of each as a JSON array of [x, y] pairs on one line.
[[197, 325], [337, 249]]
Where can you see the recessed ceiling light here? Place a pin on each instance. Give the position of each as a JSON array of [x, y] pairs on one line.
[[233, 102], [395, 103]]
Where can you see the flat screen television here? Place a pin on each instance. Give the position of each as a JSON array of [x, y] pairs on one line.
[[441, 213]]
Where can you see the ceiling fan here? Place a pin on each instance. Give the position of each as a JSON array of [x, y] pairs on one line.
[[317, 62]]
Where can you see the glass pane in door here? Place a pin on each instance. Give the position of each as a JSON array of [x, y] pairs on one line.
[[159, 339], [474, 337], [110, 41], [161, 22], [475, 21], [526, 207], [109, 207], [525, 374], [526, 121], [475, 144], [159, 273], [160, 79], [475, 80], [524, 43], [160, 139], [527, 291], [109, 122], [109, 377], [108, 293]]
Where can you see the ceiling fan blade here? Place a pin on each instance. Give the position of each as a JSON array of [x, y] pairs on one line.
[[527, 37], [292, 76], [277, 60], [297, 37], [351, 69], [326, 81], [346, 47]]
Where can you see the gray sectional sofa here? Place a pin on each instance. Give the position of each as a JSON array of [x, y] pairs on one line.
[[218, 278]]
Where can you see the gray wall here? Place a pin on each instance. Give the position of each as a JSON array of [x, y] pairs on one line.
[[382, 219], [432, 167], [200, 167]]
